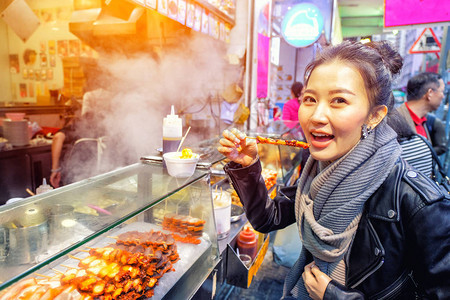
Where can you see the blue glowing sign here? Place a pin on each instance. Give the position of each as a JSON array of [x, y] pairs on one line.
[[302, 25]]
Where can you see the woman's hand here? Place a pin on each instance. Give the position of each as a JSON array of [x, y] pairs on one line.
[[316, 281], [236, 147], [55, 178]]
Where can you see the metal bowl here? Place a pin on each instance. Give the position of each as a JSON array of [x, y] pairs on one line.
[[236, 213]]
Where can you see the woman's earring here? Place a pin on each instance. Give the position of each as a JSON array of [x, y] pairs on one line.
[[365, 131]]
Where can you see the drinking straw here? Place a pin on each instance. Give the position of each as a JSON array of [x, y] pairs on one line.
[[182, 140]]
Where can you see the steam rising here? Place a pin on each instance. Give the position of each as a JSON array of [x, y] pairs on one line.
[[142, 88]]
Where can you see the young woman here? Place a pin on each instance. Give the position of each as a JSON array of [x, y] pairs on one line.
[[371, 226]]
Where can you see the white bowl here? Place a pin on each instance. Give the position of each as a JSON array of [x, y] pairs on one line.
[[180, 167]]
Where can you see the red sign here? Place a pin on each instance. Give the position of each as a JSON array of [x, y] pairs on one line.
[[426, 43]]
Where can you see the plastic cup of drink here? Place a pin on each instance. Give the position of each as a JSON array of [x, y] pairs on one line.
[[222, 213]]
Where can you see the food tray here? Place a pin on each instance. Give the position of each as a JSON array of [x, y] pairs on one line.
[[189, 254]]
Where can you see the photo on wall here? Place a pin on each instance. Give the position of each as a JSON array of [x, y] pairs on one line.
[[14, 64], [63, 48], [23, 90]]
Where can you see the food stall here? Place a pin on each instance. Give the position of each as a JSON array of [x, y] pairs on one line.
[[49, 241], [50, 235]]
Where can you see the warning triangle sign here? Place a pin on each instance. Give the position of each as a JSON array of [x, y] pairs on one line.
[[426, 43]]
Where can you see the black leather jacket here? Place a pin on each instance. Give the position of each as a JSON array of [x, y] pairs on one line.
[[401, 249]]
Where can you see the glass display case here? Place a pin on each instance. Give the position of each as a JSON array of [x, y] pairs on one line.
[[133, 230]]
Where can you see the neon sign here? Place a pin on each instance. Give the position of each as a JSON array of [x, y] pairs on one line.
[[302, 25]]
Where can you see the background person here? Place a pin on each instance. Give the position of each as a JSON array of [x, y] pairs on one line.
[[290, 108], [85, 135], [425, 92], [414, 149], [370, 225]]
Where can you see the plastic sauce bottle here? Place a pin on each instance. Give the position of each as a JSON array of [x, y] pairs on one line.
[[44, 187], [247, 243], [172, 132]]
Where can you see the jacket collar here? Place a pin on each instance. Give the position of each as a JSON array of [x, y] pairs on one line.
[[387, 208]]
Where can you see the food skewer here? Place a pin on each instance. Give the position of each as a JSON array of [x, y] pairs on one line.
[[292, 143], [74, 257], [69, 267], [42, 275]]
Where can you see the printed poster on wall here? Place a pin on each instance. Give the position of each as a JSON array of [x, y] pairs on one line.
[[52, 61], [198, 18], [63, 48], [205, 21], [44, 62], [162, 7], [182, 11], [190, 14], [30, 73], [30, 89], [51, 47], [150, 3], [23, 90], [222, 32], [74, 48], [14, 63], [173, 9], [211, 24], [227, 33]]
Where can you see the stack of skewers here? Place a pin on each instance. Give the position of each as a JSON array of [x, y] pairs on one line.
[[128, 269], [188, 229]]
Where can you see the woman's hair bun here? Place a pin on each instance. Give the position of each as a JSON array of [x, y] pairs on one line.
[[391, 58]]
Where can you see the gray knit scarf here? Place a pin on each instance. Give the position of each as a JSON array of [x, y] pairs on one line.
[[329, 202]]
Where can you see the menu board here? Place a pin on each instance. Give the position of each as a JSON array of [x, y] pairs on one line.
[[151, 3], [173, 9], [205, 21], [190, 14], [182, 11], [198, 18], [162, 7], [222, 31], [227, 33]]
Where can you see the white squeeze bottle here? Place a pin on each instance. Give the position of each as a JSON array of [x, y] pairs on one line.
[[44, 187], [172, 132]]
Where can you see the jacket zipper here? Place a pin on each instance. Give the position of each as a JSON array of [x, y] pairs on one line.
[[388, 295], [377, 266], [370, 272], [380, 263]]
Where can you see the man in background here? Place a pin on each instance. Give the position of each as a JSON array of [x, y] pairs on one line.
[[425, 93]]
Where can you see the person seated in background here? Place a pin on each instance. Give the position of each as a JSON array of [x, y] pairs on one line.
[[425, 92]]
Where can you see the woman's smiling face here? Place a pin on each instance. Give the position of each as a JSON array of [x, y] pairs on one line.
[[334, 108]]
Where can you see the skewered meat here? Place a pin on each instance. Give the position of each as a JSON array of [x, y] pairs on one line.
[[128, 269], [293, 143]]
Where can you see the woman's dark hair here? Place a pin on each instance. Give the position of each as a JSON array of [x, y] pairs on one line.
[[420, 84], [400, 125], [297, 88], [377, 62]]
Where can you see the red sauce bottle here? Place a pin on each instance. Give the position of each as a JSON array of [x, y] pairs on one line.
[[247, 243]]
